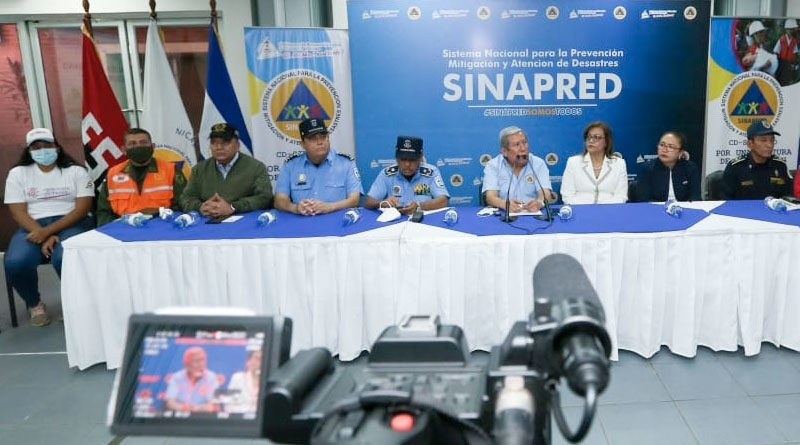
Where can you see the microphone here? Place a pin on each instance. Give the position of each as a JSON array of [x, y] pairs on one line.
[[507, 217], [549, 213], [580, 341]]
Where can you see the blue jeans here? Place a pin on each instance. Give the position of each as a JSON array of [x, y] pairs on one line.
[[23, 256]]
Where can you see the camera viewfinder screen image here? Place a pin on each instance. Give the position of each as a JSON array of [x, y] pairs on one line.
[[211, 374]]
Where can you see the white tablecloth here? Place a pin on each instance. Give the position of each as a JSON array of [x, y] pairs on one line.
[[726, 281]]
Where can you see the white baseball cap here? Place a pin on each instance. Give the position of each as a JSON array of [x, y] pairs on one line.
[[39, 134]]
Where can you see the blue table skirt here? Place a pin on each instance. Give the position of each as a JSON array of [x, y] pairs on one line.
[[288, 225], [592, 218], [757, 210]]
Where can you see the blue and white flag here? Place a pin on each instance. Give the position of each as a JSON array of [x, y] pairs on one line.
[[163, 113], [220, 104]]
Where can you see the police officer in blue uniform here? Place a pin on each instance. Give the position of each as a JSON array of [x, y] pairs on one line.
[[757, 174], [519, 172], [408, 183], [321, 180]]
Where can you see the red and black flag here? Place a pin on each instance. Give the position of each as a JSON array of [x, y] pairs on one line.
[[103, 123]]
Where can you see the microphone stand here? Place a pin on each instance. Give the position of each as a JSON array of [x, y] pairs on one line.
[[507, 217], [549, 214]]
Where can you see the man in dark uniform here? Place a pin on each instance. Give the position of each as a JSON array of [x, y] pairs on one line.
[[758, 174]]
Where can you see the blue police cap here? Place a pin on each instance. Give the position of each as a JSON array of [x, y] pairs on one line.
[[408, 147], [761, 127], [312, 126]]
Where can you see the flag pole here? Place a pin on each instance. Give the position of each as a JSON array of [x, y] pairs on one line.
[[213, 4], [214, 21], [87, 19]]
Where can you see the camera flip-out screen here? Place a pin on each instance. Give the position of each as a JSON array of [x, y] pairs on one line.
[[196, 375]]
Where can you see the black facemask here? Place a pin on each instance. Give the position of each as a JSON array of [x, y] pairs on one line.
[[140, 155]]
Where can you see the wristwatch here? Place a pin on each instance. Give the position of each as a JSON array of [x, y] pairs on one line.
[[233, 209]]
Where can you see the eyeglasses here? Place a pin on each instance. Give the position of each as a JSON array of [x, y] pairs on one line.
[[595, 137], [668, 147]]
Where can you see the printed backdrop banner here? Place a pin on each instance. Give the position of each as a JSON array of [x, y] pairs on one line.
[[751, 77], [455, 72], [295, 74]]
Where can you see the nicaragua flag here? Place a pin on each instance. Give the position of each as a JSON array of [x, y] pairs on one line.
[[163, 113], [220, 103]]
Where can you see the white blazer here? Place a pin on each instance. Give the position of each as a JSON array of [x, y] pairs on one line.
[[579, 186]]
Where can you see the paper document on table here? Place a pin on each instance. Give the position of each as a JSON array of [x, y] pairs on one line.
[[232, 218], [527, 213], [792, 207]]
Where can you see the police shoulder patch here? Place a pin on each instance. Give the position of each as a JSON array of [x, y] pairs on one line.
[[296, 155], [425, 171], [775, 158], [347, 155], [735, 161], [391, 170]]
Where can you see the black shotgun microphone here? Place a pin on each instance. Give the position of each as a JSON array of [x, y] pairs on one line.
[[580, 340], [507, 216]]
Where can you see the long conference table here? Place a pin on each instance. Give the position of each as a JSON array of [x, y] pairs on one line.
[[722, 275]]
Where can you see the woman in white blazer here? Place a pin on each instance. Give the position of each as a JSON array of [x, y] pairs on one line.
[[598, 175]]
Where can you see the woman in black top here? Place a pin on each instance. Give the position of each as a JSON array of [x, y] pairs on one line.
[[670, 168]]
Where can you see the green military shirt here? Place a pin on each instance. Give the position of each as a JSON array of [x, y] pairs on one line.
[[246, 186]]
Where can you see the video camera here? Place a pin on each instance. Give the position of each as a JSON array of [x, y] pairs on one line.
[[420, 384]]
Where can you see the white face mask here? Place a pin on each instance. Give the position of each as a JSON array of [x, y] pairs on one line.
[[388, 213]]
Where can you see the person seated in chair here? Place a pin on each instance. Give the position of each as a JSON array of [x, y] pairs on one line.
[[320, 180], [140, 184], [49, 195], [670, 175], [598, 175], [759, 173], [516, 174], [228, 181], [408, 183]]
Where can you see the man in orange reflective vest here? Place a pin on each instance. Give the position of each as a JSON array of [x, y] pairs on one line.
[[787, 50], [140, 184]]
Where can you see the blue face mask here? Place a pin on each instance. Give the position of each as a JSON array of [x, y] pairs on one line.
[[45, 156]]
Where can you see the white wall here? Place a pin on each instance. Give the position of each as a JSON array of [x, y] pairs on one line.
[[340, 13], [234, 16], [792, 8]]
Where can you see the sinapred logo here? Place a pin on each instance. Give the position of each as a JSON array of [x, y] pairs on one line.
[[296, 95], [180, 161], [751, 96]]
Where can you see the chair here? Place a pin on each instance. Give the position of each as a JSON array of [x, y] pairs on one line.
[[633, 195], [11, 306], [10, 292], [714, 186]]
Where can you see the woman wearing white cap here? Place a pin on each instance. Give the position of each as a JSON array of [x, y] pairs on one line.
[[787, 50], [49, 196]]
